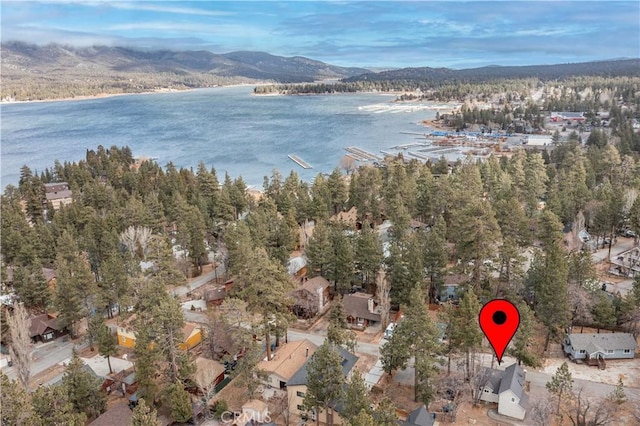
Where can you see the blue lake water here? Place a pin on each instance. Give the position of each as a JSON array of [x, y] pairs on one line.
[[227, 128]]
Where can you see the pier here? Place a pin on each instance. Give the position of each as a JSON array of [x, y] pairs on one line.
[[299, 161], [362, 155]]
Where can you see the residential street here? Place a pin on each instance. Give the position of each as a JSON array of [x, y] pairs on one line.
[[219, 272], [46, 356]]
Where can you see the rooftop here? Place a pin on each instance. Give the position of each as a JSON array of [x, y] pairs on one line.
[[288, 358], [357, 305], [348, 362], [602, 341]]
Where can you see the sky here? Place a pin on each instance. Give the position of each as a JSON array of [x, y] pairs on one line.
[[385, 34]]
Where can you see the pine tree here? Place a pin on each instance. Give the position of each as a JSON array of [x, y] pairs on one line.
[[385, 413], [52, 407], [561, 384], [75, 285], [83, 389], [342, 269], [465, 333], [363, 418], [356, 398], [368, 254], [143, 415], [264, 285], [435, 256], [522, 340], [180, 403], [324, 379], [107, 344], [319, 251], [604, 314], [15, 402], [617, 395], [416, 337]]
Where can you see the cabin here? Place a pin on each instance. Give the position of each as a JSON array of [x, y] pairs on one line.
[[506, 388], [208, 374], [44, 328], [311, 298], [361, 310], [192, 334]]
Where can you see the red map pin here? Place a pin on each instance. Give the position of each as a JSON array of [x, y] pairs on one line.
[[499, 320]]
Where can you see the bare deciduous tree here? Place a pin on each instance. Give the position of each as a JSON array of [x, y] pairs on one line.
[[540, 411], [584, 411], [21, 346], [136, 240]]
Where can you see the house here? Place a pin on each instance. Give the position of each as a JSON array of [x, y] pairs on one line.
[[50, 277], [215, 296], [286, 361], [506, 388], [348, 218], [254, 412], [568, 116], [58, 194], [297, 386], [118, 414], [220, 341], [208, 374], [312, 297], [626, 263], [361, 310], [589, 346], [126, 336], [44, 328], [420, 417], [297, 266], [192, 334], [450, 291]]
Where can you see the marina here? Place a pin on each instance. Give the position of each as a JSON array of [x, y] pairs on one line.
[[299, 161]]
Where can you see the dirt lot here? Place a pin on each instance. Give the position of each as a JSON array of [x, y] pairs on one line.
[[628, 370]]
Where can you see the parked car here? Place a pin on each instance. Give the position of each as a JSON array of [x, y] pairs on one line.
[[629, 233]]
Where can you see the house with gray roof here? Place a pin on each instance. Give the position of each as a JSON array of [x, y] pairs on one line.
[[599, 345], [420, 417], [297, 387], [507, 389]]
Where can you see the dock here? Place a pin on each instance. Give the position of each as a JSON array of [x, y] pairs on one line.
[[362, 155], [299, 161]]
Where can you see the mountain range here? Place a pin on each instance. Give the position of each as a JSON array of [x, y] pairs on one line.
[[54, 71]]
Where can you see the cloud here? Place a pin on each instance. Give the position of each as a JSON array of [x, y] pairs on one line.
[[163, 8]]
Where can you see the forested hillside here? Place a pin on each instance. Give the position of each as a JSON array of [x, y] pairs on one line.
[[53, 71], [436, 83], [498, 224]]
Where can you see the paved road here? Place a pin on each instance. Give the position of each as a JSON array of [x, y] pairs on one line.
[[623, 244], [46, 356], [219, 272]]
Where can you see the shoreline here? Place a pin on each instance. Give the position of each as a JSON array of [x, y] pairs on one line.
[[96, 96], [113, 95]]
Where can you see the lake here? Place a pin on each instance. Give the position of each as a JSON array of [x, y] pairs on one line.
[[228, 128]]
